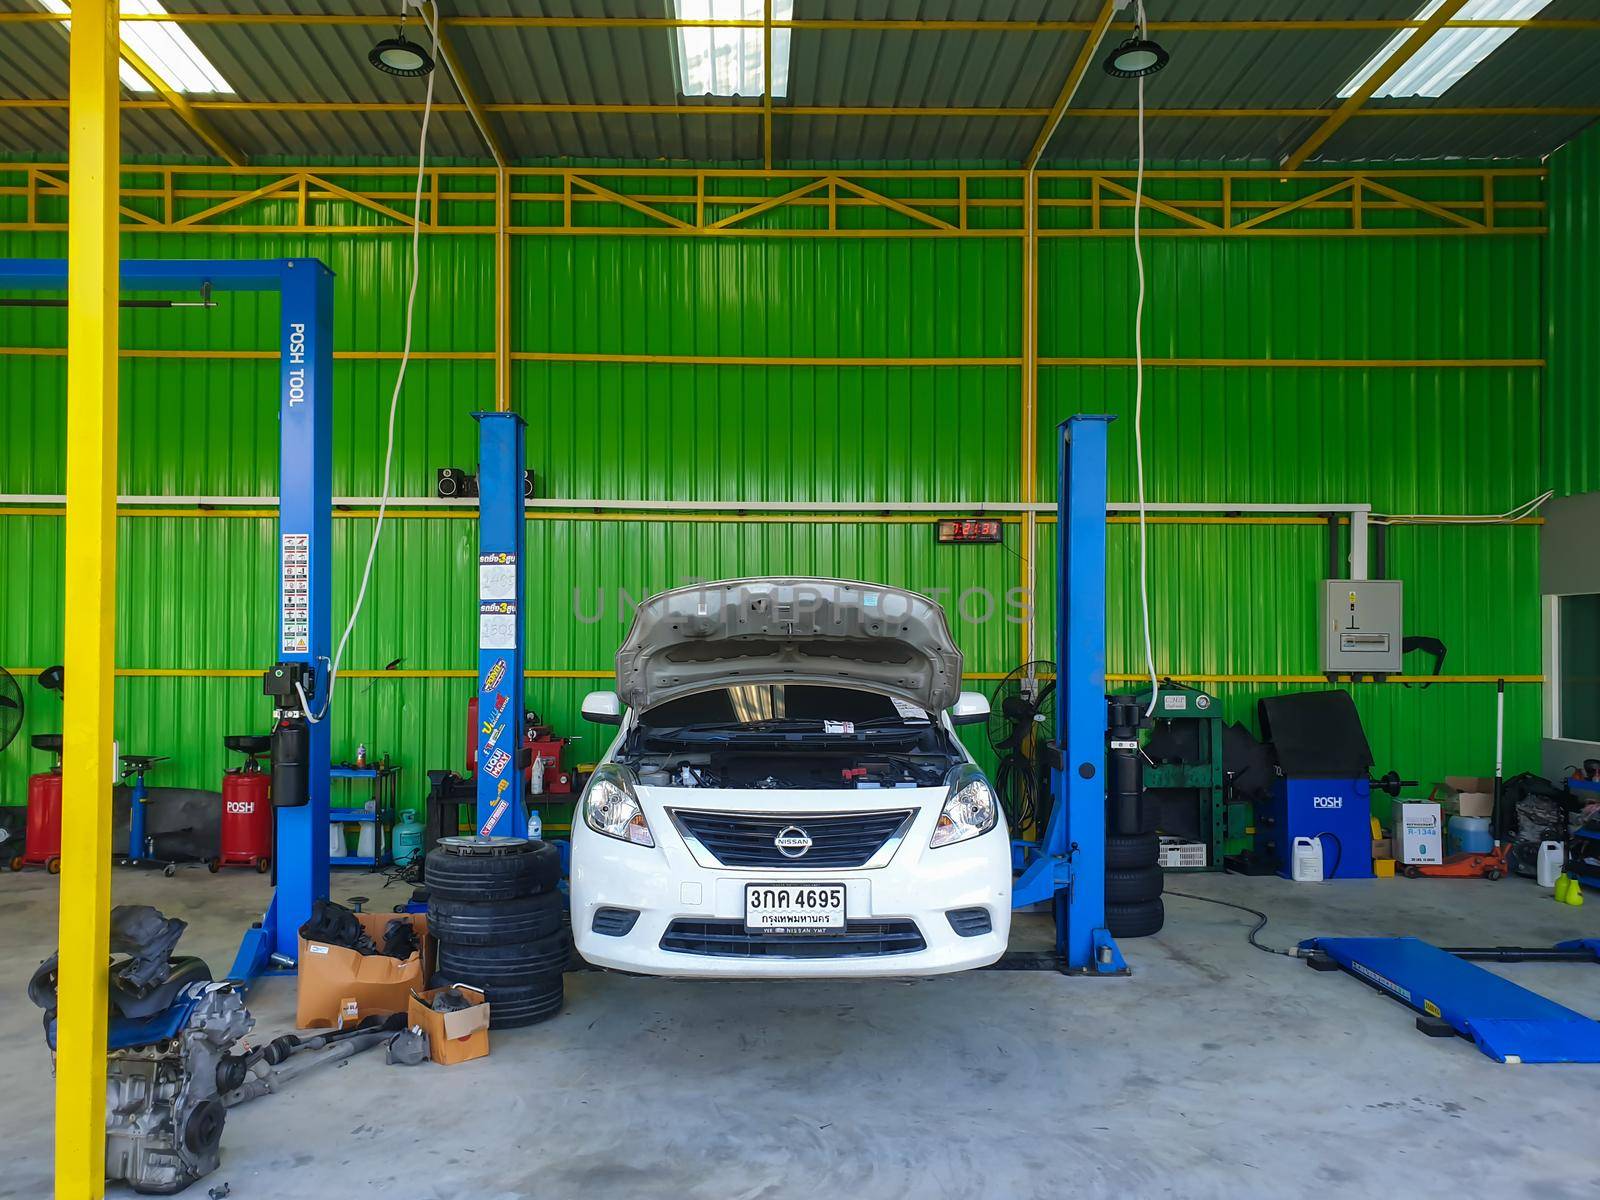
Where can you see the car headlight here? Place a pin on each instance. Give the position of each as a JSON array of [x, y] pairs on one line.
[[611, 807], [969, 810]]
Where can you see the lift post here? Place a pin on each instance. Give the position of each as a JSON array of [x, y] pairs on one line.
[[1068, 865], [305, 528], [502, 544]]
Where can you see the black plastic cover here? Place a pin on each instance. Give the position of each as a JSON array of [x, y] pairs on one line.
[[1316, 735]]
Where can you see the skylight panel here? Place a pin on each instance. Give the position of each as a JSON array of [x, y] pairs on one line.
[[1449, 54], [729, 62], [165, 48]]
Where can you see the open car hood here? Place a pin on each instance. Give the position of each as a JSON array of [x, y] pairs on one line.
[[817, 631]]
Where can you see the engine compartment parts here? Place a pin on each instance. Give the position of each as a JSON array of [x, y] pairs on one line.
[[173, 1069], [360, 973]]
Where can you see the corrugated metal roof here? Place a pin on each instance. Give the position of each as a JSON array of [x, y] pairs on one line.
[[1295, 69]]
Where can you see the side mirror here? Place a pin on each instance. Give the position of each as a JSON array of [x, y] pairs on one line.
[[970, 708], [603, 708]]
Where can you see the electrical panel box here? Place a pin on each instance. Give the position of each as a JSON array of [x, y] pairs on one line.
[[1361, 626]]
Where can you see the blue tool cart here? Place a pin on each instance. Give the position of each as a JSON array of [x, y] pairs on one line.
[[384, 780]]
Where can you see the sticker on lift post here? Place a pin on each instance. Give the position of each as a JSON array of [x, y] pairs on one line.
[[296, 593], [497, 576], [497, 625]]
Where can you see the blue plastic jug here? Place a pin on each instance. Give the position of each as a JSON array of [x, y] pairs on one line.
[[1470, 835]]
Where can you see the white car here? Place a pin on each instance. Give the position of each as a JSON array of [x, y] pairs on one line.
[[786, 796]]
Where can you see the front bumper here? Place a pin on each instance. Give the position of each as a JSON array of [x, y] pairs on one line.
[[664, 884]]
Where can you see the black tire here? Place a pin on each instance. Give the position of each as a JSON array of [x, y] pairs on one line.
[[515, 1007], [1135, 920], [453, 876], [513, 964], [494, 922], [1132, 852], [1125, 888]]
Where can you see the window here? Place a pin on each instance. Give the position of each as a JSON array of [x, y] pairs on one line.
[[1573, 667], [165, 48], [1449, 54], [728, 61]]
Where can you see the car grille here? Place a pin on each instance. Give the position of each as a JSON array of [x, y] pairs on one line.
[[837, 839], [730, 939]]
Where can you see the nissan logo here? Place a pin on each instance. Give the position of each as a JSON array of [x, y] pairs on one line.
[[792, 841]]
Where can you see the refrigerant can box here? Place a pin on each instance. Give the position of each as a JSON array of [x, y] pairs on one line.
[[1418, 832], [336, 982], [453, 1037]]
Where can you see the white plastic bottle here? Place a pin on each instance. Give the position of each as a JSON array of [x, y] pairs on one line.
[[1552, 856], [1306, 863]]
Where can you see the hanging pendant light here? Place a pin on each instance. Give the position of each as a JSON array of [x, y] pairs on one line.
[[401, 56], [1136, 57]]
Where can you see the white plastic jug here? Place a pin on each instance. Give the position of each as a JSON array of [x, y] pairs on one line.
[[1552, 857], [1306, 863]]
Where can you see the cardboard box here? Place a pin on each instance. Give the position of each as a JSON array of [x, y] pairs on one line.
[[1418, 832], [453, 1037], [337, 983], [1469, 795], [1382, 848]]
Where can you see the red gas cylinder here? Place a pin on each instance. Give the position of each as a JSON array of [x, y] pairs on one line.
[[43, 845], [246, 839]]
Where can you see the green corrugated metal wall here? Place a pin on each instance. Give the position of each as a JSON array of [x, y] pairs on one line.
[[1572, 313], [197, 592]]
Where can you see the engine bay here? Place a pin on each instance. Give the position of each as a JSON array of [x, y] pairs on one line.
[[810, 768]]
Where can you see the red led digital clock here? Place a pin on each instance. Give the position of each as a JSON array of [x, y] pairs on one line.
[[977, 529]]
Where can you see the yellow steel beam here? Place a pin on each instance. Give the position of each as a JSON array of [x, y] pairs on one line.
[[766, 83], [1402, 54], [186, 111], [826, 110], [824, 24], [90, 537], [1081, 64]]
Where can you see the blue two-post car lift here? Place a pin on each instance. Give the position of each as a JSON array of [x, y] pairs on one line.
[[305, 510], [1067, 867]]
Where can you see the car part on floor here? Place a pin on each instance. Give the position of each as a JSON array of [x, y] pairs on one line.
[[503, 868], [1507, 1022], [171, 1074], [491, 922], [494, 910]]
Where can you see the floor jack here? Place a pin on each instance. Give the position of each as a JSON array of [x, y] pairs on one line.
[[1456, 998]]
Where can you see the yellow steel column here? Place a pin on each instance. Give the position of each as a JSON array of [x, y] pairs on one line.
[[1030, 408], [91, 579]]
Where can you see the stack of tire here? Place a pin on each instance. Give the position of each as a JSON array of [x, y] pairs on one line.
[[497, 917], [1133, 847]]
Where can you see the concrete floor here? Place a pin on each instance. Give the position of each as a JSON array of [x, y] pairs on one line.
[[1214, 1071]]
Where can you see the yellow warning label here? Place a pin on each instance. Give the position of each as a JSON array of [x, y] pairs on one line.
[[1432, 1009]]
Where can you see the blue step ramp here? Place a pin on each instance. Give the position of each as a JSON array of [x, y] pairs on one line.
[[1508, 1023]]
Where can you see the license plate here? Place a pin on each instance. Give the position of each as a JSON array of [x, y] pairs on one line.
[[791, 908]]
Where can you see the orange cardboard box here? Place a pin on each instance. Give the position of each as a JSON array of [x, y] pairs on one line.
[[337, 982], [453, 1037]]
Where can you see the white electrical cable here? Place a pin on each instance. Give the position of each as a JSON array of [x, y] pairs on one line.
[[1516, 514], [1138, 401], [394, 399]]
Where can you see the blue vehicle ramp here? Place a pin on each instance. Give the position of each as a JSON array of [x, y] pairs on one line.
[[1454, 996]]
